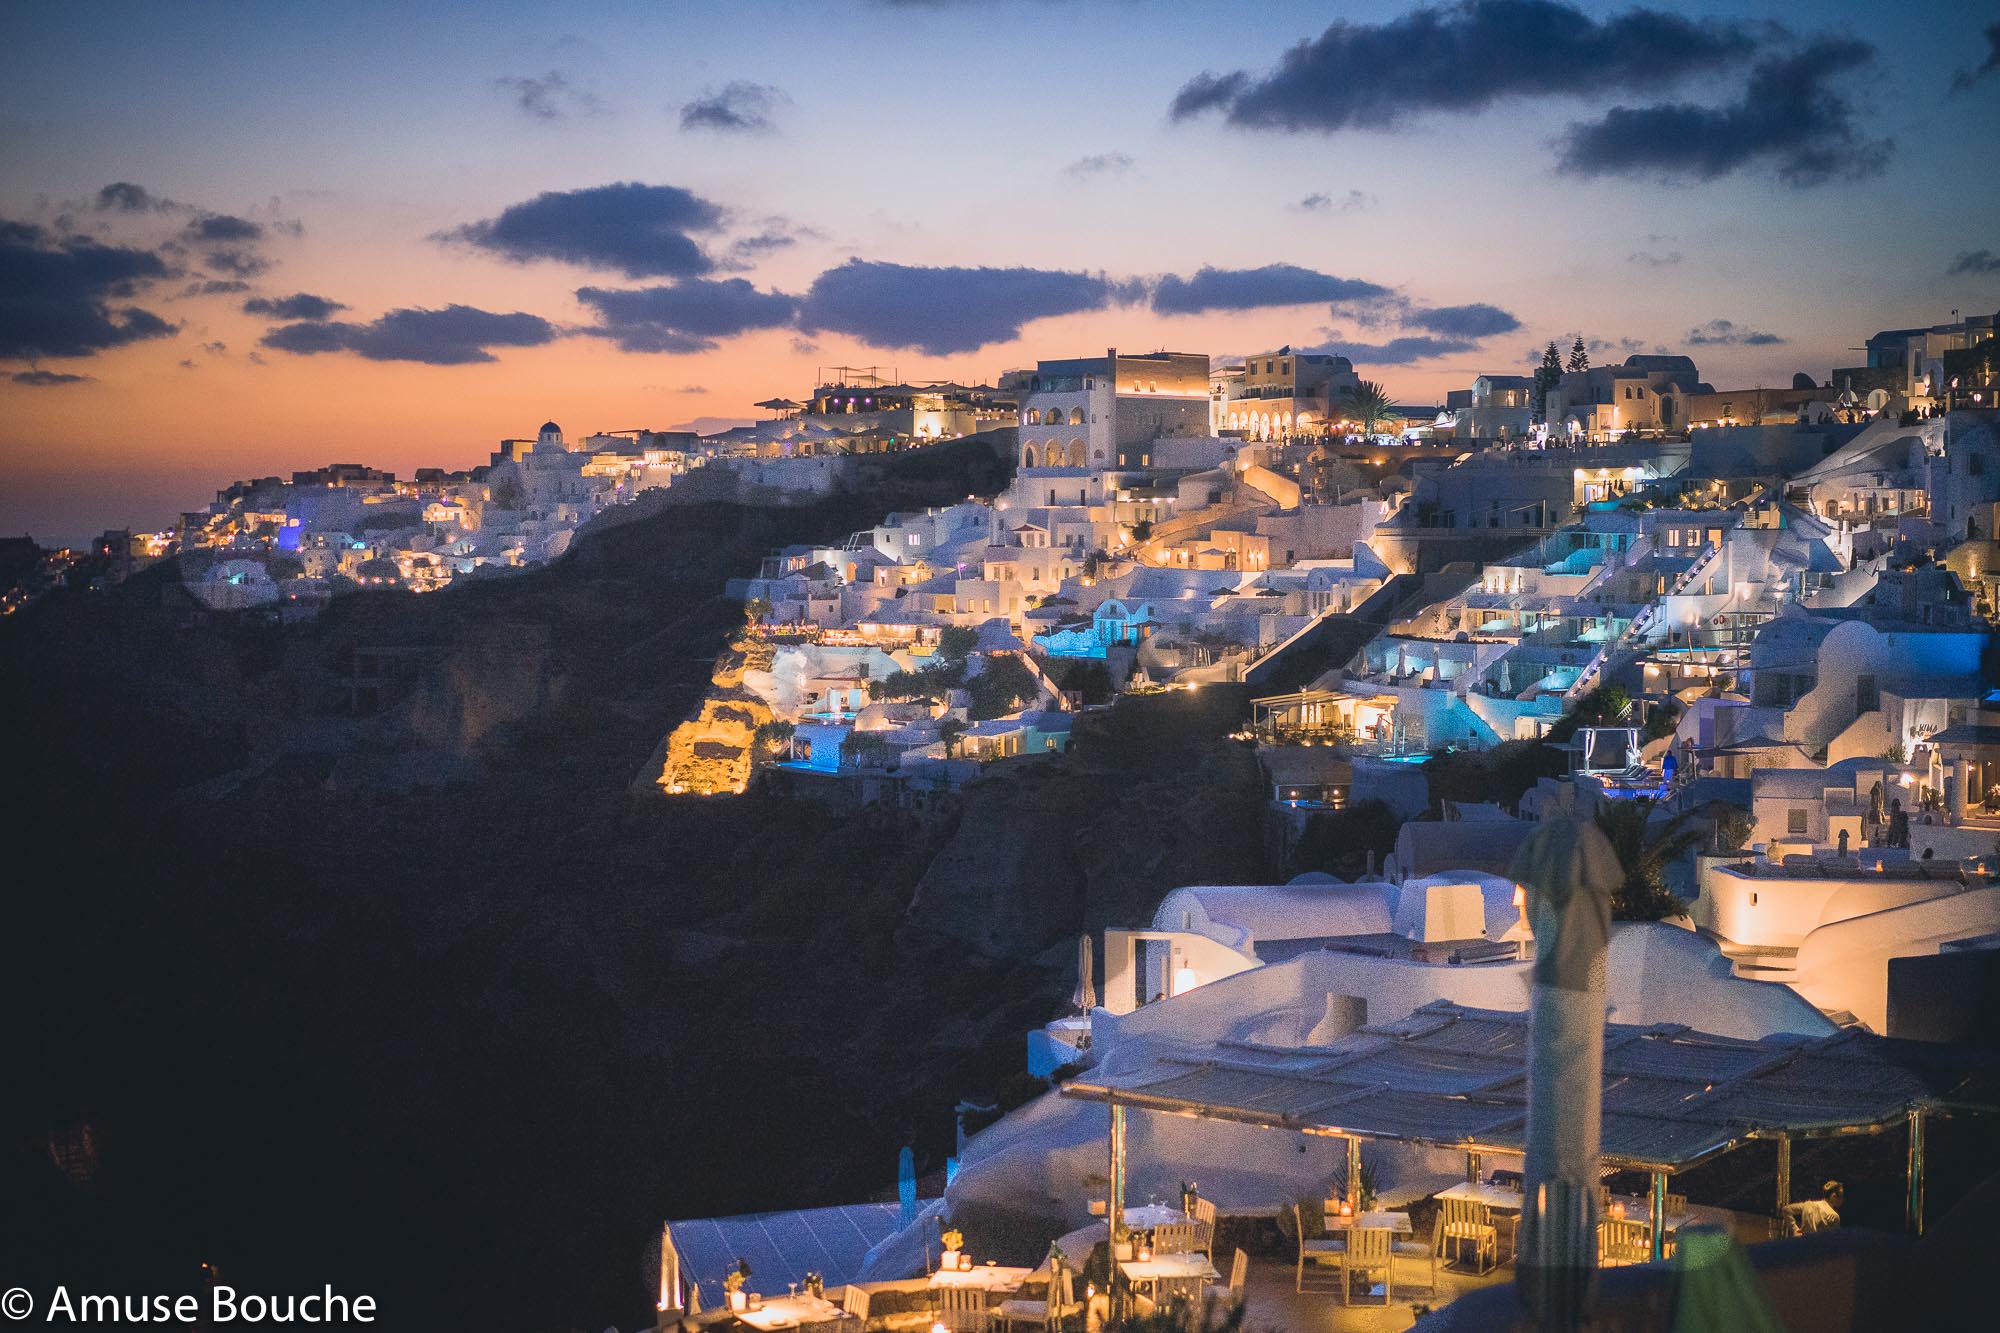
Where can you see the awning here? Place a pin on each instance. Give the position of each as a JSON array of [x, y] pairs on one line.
[[1450, 1076]]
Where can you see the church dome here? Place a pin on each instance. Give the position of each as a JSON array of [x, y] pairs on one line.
[[551, 428]]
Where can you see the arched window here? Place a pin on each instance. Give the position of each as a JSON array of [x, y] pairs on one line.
[[1028, 456], [1034, 417], [1076, 453], [1076, 416]]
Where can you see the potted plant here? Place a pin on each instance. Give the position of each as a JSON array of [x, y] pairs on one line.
[[952, 1240], [732, 1286], [1122, 1246], [1190, 1193]]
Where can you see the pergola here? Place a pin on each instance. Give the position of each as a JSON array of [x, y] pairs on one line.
[[1453, 1077]]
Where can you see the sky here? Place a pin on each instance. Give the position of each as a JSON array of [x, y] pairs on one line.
[[242, 239]]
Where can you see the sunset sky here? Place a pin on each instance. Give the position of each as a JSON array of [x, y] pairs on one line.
[[241, 239]]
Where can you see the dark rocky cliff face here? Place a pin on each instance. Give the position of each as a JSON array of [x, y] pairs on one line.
[[424, 1002], [1150, 795]]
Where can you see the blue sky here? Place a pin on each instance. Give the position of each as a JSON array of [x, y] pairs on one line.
[[1019, 134]]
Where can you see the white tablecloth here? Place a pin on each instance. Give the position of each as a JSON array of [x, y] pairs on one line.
[[1169, 1266], [987, 1277], [790, 1312]]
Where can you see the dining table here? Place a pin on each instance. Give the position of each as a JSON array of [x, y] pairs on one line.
[[1376, 1221], [1635, 1207], [1186, 1272], [790, 1311], [1076, 1245], [990, 1278]]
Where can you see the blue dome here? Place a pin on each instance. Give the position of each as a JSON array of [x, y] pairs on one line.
[[551, 428]]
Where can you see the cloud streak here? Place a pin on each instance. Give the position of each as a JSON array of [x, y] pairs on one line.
[[1724, 333], [738, 107], [457, 335], [642, 231], [1257, 288], [943, 311], [550, 97], [298, 306], [688, 316], [1460, 58], [64, 296], [1791, 118]]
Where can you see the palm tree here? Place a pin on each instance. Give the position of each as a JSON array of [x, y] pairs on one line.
[[1368, 402], [1645, 853]]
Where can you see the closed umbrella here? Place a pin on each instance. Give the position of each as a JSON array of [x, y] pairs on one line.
[[1085, 998], [1569, 870]]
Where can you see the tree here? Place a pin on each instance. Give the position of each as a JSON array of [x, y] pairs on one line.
[[1645, 853], [951, 731], [1339, 841], [957, 643], [775, 735], [1579, 358], [867, 749], [756, 611], [1142, 530], [1005, 685], [1547, 376], [1368, 402]]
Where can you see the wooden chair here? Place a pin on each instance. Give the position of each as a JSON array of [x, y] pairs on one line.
[[1370, 1250], [1621, 1240], [1466, 1222], [1416, 1251], [1059, 1304], [1204, 1227], [854, 1301], [1239, 1279], [1175, 1238], [963, 1310], [1328, 1250]]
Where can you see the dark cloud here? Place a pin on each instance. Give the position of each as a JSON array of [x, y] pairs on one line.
[[688, 316], [1354, 201], [693, 388], [1965, 78], [1397, 351], [1462, 321], [125, 197], [746, 250], [217, 348], [941, 311], [1098, 164], [47, 379], [237, 261], [738, 107], [1256, 288], [639, 230], [1975, 261], [550, 97], [215, 287], [454, 336], [57, 294], [299, 305], [1461, 58], [222, 228], [1652, 260], [1721, 332], [1790, 117]]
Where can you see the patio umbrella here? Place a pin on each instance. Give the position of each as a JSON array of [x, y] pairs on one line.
[[1569, 870], [1715, 1288], [1085, 998]]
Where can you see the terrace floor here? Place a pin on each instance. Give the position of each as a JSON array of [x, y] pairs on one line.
[[1272, 1300]]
